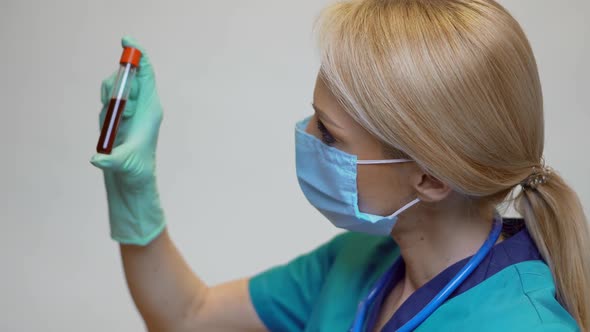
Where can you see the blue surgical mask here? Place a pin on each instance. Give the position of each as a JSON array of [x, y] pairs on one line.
[[328, 178]]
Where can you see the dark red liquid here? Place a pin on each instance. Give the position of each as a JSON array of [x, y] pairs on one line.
[[111, 121]]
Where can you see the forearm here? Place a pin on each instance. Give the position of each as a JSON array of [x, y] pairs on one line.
[[168, 295], [165, 290]]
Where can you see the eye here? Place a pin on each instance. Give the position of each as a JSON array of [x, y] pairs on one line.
[[327, 138]]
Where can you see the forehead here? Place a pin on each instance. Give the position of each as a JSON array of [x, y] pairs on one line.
[[323, 96], [327, 103], [349, 130]]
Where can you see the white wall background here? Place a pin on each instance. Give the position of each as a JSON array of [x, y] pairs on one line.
[[234, 77]]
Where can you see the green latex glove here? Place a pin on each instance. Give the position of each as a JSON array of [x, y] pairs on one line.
[[135, 214]]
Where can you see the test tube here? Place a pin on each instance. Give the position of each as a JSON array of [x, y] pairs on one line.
[[129, 64]]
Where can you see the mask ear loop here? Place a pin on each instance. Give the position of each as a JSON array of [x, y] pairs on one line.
[[386, 161], [404, 208]]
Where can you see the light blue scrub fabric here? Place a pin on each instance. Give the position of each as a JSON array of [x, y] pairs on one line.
[[512, 290]]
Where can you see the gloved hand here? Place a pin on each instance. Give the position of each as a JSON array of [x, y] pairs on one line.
[[135, 214]]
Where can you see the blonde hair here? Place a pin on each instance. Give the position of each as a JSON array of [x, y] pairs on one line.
[[454, 85]]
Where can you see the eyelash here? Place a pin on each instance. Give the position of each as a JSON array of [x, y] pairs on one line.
[[327, 138]]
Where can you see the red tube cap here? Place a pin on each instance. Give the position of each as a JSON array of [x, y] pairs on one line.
[[130, 55]]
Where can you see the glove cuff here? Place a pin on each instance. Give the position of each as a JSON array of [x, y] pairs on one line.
[[136, 218]]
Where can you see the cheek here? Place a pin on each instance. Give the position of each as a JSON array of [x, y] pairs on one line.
[[382, 189], [312, 127]]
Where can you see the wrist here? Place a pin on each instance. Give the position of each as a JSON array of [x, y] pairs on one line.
[[136, 217]]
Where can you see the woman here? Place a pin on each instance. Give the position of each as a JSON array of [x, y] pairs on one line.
[[428, 113]]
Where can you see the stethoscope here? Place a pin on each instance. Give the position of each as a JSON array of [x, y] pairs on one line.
[[438, 300]]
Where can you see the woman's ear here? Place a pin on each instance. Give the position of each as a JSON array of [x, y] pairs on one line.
[[431, 189]]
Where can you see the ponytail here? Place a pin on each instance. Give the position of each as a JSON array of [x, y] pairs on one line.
[[555, 219]]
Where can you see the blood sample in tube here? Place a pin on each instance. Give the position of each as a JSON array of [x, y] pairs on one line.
[[129, 65]]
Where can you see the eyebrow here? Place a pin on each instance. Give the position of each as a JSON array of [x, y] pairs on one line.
[[324, 116]]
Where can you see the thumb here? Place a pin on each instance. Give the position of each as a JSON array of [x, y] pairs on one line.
[[110, 162]]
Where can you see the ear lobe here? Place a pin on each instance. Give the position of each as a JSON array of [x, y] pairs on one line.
[[431, 189]]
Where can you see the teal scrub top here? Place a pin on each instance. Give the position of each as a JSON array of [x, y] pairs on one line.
[[511, 290]]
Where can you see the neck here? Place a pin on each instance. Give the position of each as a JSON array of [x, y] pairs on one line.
[[431, 239]]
